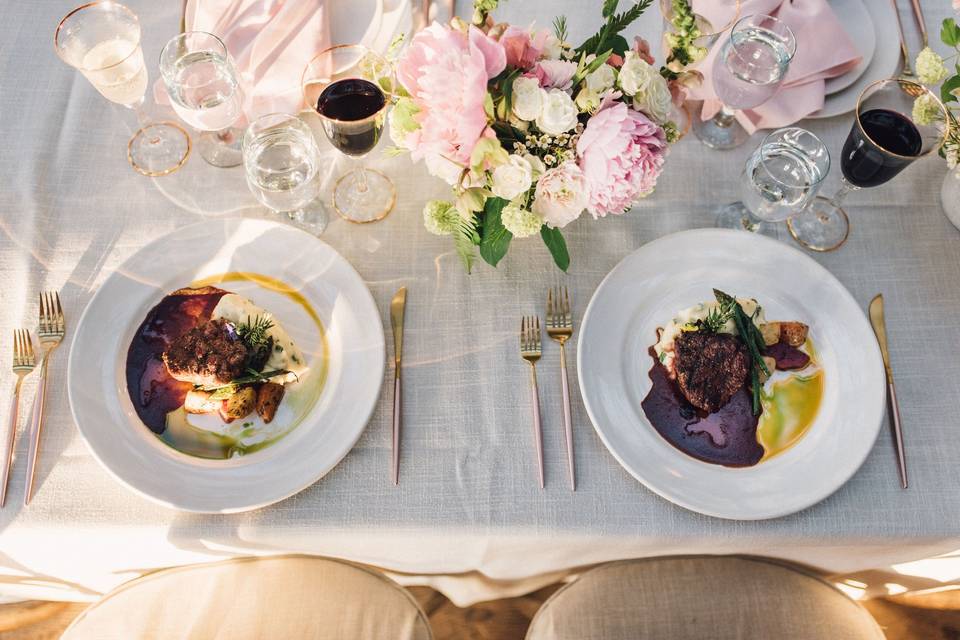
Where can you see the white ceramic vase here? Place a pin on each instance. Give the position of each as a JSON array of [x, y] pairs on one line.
[[950, 197]]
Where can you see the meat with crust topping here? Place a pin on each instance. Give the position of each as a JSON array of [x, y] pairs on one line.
[[710, 368], [208, 354]]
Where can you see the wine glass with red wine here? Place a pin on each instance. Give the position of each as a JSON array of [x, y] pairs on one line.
[[347, 86], [884, 139]]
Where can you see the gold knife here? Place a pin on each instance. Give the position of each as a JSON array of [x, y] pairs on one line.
[[880, 328], [397, 306]]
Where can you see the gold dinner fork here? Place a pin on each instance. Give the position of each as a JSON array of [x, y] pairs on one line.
[[530, 351], [50, 332], [560, 328], [23, 363]]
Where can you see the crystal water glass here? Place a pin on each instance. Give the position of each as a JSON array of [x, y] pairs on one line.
[[102, 41], [282, 164], [204, 88], [747, 71], [779, 180]]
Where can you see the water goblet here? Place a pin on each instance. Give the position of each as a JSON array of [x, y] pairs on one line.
[[204, 88], [747, 71], [778, 182], [346, 86], [885, 137], [282, 162], [102, 41]]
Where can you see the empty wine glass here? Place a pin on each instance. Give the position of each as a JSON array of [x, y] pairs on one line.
[[345, 85], [102, 41], [746, 72], [885, 138], [204, 88], [778, 181], [282, 162]]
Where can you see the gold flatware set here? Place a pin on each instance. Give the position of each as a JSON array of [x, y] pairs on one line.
[[880, 329], [50, 332]]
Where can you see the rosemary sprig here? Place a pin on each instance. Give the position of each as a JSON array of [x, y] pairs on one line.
[[251, 377], [254, 333], [751, 337]]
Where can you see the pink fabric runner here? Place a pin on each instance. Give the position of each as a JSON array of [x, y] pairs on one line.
[[824, 50]]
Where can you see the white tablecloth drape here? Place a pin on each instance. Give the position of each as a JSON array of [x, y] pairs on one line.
[[467, 516]]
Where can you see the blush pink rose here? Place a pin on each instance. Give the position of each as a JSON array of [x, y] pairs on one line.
[[555, 74], [523, 46], [561, 195], [446, 73], [621, 154]]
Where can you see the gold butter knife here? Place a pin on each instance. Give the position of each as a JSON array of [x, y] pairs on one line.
[[397, 306], [880, 328]]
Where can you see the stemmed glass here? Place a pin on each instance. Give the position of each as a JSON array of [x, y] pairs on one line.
[[345, 85], [778, 181], [746, 72], [885, 137], [282, 163], [102, 41], [204, 88]]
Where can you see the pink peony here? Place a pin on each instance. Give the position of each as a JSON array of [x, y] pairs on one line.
[[523, 46], [621, 153], [446, 73], [555, 74], [560, 195]]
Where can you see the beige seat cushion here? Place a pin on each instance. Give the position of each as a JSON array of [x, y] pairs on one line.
[[716, 598], [282, 597]]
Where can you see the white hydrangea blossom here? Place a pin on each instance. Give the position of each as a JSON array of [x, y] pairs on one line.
[[521, 222], [440, 217]]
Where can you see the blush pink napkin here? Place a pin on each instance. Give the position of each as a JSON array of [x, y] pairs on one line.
[[271, 41], [824, 50]]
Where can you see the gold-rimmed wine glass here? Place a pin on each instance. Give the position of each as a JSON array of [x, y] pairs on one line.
[[102, 41], [896, 122], [348, 86]]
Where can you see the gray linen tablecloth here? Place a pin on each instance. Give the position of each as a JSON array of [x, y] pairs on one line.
[[71, 210]]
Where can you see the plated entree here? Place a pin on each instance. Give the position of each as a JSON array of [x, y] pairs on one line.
[[731, 387], [208, 370]]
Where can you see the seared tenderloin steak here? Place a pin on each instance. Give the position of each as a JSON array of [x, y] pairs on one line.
[[710, 368], [208, 354]]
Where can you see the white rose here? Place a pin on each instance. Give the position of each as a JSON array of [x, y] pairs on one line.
[[559, 114], [635, 73], [561, 195], [654, 98], [601, 79], [552, 48], [512, 178], [528, 98], [536, 164]]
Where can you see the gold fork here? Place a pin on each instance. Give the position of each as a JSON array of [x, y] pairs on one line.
[[530, 351], [560, 328], [23, 363], [50, 332]]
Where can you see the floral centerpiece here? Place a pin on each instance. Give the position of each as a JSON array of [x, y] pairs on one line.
[[529, 130], [932, 70]]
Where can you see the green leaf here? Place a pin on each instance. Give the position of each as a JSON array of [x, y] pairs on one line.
[[609, 7], [617, 44], [950, 32], [495, 239], [948, 86], [614, 25], [465, 239], [557, 246]]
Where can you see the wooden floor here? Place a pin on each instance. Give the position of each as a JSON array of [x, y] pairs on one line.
[[934, 617]]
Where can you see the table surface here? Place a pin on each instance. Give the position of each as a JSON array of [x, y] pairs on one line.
[[71, 210]]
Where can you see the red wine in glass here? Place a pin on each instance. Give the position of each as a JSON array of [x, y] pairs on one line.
[[891, 142], [351, 109]]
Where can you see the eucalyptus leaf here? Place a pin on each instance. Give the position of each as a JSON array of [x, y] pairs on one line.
[[557, 246]]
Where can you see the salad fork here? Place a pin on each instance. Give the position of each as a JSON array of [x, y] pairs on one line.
[[530, 350], [50, 332], [23, 363], [560, 328]]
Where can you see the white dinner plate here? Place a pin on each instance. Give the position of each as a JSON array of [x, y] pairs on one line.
[[883, 65], [333, 423], [677, 271], [855, 18]]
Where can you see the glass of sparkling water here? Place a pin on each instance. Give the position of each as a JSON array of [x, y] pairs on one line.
[[747, 71], [282, 163], [780, 179], [204, 88]]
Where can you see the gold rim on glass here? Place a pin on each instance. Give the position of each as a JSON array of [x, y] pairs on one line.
[[381, 216], [56, 33], [914, 90], [163, 172], [806, 245]]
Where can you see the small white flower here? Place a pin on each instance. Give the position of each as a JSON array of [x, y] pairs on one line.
[[559, 114], [930, 67], [512, 178], [440, 217], [601, 79], [521, 222], [536, 164], [925, 109], [552, 48], [635, 73], [528, 98]]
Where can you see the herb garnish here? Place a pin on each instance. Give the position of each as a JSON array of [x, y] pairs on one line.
[[226, 390], [254, 332], [751, 337]]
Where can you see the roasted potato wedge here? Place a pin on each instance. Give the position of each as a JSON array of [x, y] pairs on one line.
[[199, 402], [771, 367], [793, 333], [770, 332], [239, 405], [268, 400]]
